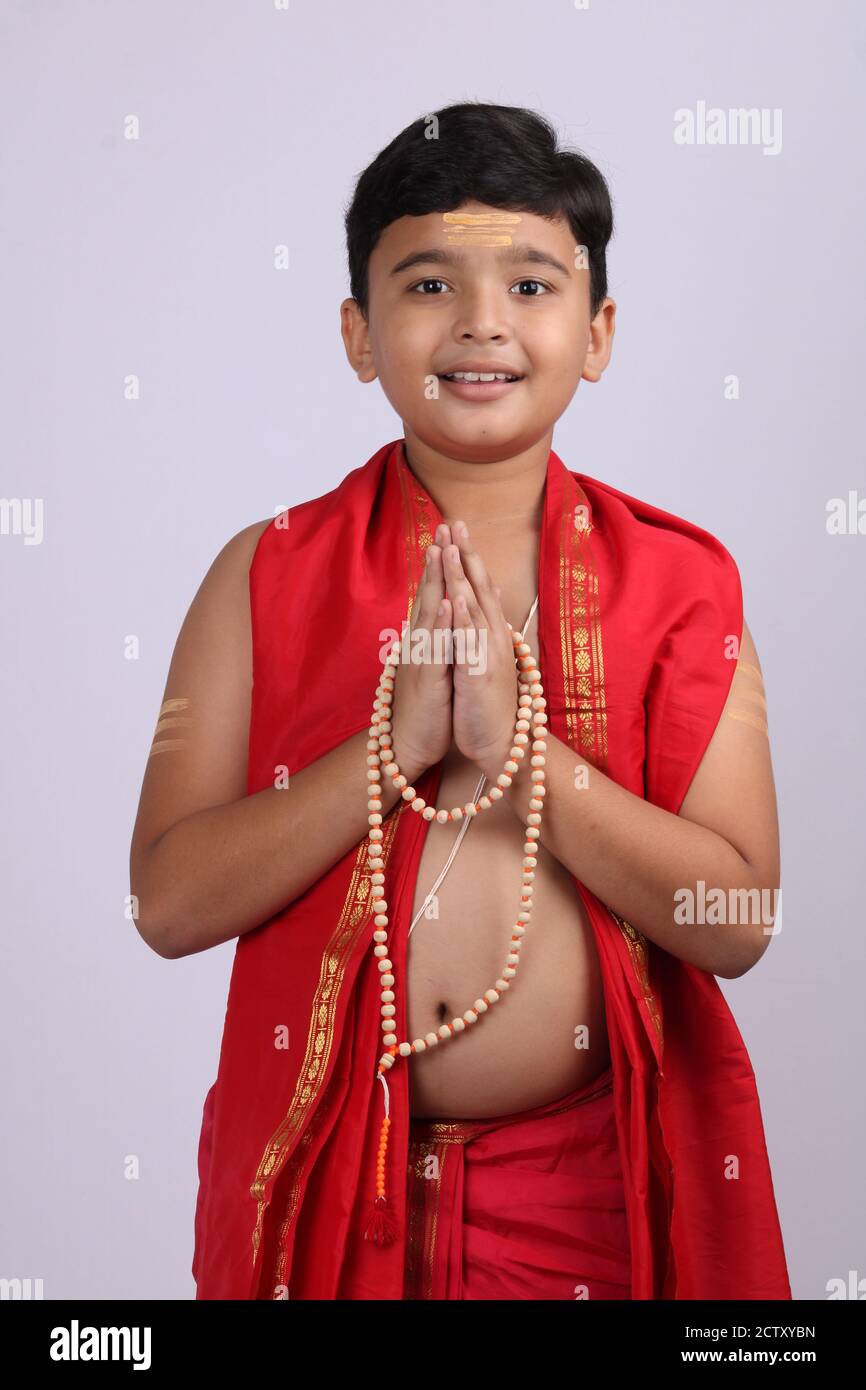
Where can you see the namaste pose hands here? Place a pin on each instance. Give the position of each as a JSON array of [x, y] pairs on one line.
[[475, 699]]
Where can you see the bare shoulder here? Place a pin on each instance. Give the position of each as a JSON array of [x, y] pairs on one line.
[[216, 630], [237, 554], [213, 648]]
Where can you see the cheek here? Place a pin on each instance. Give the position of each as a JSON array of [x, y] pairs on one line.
[[404, 373], [556, 340], [558, 360], [409, 345]]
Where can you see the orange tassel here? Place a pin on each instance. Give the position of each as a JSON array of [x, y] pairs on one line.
[[382, 1227]]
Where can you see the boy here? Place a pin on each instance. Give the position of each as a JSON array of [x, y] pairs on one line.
[[396, 1114]]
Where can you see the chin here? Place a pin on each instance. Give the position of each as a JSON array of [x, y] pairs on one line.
[[479, 442]]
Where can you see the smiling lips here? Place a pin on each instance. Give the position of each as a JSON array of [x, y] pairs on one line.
[[483, 382]]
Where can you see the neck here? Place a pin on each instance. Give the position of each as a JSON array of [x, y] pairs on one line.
[[487, 494]]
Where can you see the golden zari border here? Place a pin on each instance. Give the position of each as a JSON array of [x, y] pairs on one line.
[[580, 630], [293, 1174], [418, 520], [637, 947]]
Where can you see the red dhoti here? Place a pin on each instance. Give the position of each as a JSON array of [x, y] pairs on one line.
[[524, 1206]]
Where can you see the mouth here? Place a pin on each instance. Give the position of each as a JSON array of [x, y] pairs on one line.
[[480, 386]]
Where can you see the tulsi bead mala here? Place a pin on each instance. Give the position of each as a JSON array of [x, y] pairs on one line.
[[529, 729]]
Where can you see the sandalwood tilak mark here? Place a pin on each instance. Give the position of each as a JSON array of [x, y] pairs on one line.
[[480, 228], [529, 727]]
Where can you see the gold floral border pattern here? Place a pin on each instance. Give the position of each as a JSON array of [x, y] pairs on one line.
[[580, 631]]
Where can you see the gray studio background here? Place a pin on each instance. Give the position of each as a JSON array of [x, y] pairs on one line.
[[154, 257]]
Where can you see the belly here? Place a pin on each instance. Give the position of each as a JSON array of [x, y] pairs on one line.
[[547, 1035]]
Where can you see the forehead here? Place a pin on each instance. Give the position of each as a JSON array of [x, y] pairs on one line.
[[474, 231]]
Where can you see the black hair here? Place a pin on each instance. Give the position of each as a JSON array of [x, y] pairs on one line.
[[504, 156]]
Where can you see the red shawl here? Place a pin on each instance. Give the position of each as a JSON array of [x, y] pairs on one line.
[[634, 613]]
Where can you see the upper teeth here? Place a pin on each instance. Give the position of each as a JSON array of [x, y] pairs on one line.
[[479, 376]]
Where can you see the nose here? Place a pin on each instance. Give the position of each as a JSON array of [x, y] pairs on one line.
[[481, 315]]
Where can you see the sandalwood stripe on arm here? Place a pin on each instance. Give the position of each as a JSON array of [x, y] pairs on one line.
[[746, 717], [748, 668], [167, 745], [170, 717]]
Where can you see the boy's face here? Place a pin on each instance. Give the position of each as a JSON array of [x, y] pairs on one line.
[[444, 297]]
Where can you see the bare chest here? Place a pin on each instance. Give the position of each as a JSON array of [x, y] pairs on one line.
[[547, 1035]]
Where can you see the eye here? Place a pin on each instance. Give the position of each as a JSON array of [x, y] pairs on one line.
[[539, 283], [422, 283]]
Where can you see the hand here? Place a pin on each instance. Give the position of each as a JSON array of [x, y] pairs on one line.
[[421, 727], [485, 681]]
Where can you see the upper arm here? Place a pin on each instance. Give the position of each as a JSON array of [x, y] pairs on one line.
[[732, 792], [198, 757]]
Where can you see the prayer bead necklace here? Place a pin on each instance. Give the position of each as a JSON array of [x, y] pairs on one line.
[[529, 729]]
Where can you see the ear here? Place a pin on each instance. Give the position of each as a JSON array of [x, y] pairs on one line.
[[356, 340], [601, 332]]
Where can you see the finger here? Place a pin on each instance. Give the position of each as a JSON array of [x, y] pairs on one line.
[[476, 571], [440, 649], [470, 642], [459, 586], [443, 614], [431, 589], [462, 622]]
